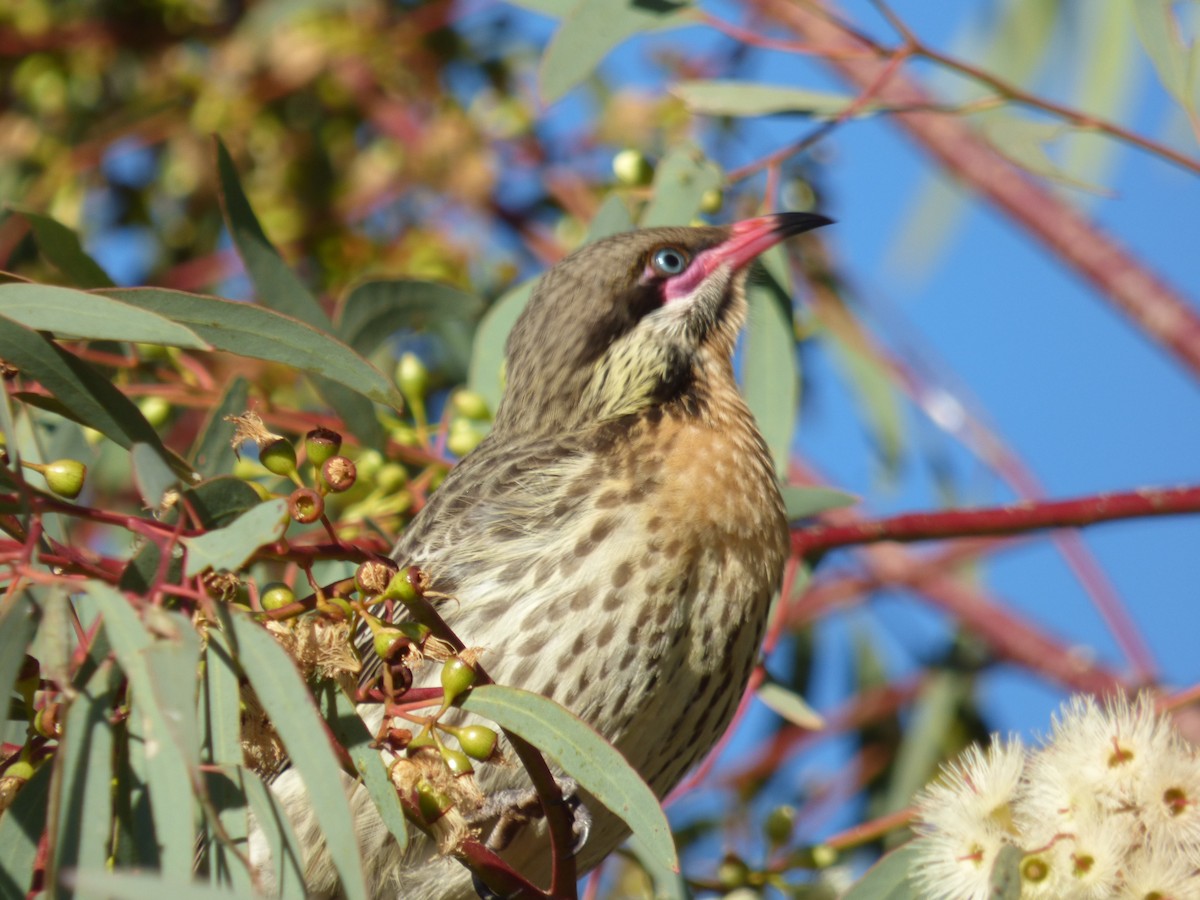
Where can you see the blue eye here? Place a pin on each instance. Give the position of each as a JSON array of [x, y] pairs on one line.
[[668, 261]]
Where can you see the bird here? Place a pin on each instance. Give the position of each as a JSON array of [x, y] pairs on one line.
[[616, 540]]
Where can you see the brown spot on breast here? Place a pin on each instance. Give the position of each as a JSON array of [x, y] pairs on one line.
[[621, 575], [612, 601], [580, 599], [604, 638]]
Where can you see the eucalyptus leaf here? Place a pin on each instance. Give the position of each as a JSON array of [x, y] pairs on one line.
[[286, 853], [1175, 62], [70, 314], [806, 501], [790, 706], [212, 453], [61, 247], [888, 879], [611, 218], [770, 370], [592, 29], [719, 97], [104, 885], [17, 627], [585, 756], [353, 734], [289, 705], [21, 827], [1005, 881], [680, 182], [151, 475], [260, 333], [487, 359], [228, 548]]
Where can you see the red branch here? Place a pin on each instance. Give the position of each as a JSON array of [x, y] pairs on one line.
[[1163, 314], [813, 540]]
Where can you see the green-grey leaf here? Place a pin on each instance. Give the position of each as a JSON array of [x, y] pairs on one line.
[[153, 718], [85, 769], [487, 358], [212, 453], [719, 97], [17, 625], [889, 879], [259, 333], [354, 735], [21, 828], [102, 885], [1174, 62], [287, 702], [592, 29], [286, 852], [275, 283], [220, 500], [228, 548], [790, 706], [770, 370], [803, 502], [1023, 141], [223, 723], [680, 182], [586, 757], [83, 393], [879, 400], [923, 744], [72, 314], [611, 218], [61, 247], [375, 310], [151, 475]]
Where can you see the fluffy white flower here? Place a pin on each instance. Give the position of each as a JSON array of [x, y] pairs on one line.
[[1152, 875]]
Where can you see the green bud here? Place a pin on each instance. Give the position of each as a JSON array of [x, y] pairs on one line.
[[401, 588], [156, 410], [732, 873], [632, 168], [711, 201], [457, 676], [405, 435], [276, 595], [423, 738], [390, 477], [63, 476], [412, 377], [470, 404], [477, 741], [433, 803], [463, 437], [278, 457], [22, 769], [321, 444], [384, 640], [457, 762], [373, 576], [779, 824]]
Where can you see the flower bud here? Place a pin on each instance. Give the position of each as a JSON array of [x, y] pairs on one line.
[[321, 444], [457, 677], [457, 762], [373, 576], [339, 473], [305, 505], [279, 457], [632, 168], [156, 410], [463, 437], [63, 476], [276, 595], [470, 404], [412, 377], [477, 741]]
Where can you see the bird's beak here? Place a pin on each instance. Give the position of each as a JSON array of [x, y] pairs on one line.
[[747, 239]]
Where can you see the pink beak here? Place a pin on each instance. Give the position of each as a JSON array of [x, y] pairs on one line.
[[746, 241]]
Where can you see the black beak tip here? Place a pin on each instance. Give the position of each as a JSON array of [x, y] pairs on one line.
[[788, 224]]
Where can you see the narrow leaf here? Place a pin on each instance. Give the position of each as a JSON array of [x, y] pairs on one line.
[[21, 827], [353, 734], [101, 885], [751, 98], [259, 333], [17, 625], [790, 706], [151, 475], [212, 453], [286, 853], [1173, 60], [287, 702], [61, 247], [228, 548], [594, 763], [223, 738], [72, 314], [275, 283], [487, 358], [375, 310], [803, 502], [888, 879], [85, 771], [679, 185], [611, 218], [85, 394], [1005, 881], [770, 370], [591, 30]]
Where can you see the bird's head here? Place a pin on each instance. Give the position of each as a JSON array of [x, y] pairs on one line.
[[634, 320]]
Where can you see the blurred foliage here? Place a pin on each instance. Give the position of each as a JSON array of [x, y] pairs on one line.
[[401, 157]]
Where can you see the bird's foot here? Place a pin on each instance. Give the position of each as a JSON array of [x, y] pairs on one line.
[[513, 810]]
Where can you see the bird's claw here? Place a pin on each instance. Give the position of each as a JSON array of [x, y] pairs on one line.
[[513, 809]]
